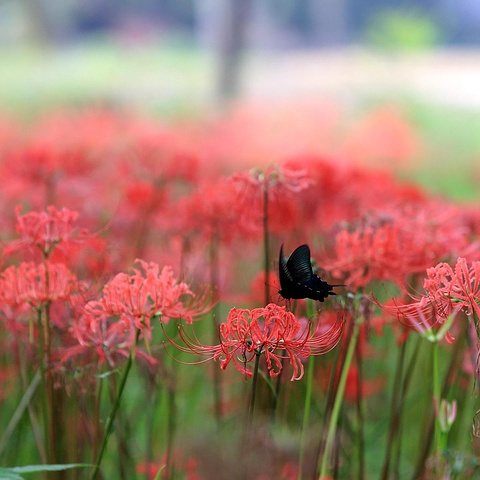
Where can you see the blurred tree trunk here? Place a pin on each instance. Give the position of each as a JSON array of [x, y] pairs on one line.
[[329, 21], [40, 28], [232, 37]]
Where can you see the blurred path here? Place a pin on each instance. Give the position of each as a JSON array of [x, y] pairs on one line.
[[182, 79], [447, 77]]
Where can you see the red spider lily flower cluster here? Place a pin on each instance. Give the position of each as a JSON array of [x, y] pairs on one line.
[[397, 244], [53, 234], [210, 212], [38, 284], [279, 186], [447, 290], [271, 331], [144, 295], [128, 304], [166, 193]]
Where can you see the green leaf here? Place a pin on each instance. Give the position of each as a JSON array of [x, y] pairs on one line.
[[6, 474], [47, 468], [159, 473]]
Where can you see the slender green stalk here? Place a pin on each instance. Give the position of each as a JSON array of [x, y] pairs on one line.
[[41, 353], [171, 415], [339, 359], [17, 415], [436, 396], [278, 380], [276, 393], [153, 390], [339, 399], [398, 430], [217, 378], [394, 418], [306, 413], [251, 404], [360, 407], [266, 241], [96, 417], [52, 419], [308, 396], [455, 359], [113, 411], [36, 429]]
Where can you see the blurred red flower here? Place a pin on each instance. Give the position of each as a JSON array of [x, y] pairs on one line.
[[148, 294], [50, 231], [447, 291], [37, 285]]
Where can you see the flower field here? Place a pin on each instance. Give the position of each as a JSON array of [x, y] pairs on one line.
[[158, 320]]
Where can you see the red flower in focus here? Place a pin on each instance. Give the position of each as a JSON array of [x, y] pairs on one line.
[[447, 290], [48, 231], [143, 295], [37, 285], [271, 331]]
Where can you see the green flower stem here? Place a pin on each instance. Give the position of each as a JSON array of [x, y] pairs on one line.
[[436, 396], [251, 404], [425, 445], [217, 378], [17, 415], [266, 241], [41, 354], [171, 421], [308, 396], [306, 412], [360, 404], [113, 411], [96, 417], [52, 422], [332, 428], [394, 408]]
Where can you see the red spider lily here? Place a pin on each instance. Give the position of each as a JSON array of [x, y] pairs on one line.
[[37, 285], [210, 211], [49, 231], [397, 244], [271, 331], [143, 295], [102, 339], [447, 291], [279, 183]]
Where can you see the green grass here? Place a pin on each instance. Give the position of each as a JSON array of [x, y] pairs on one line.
[[164, 79], [452, 148]]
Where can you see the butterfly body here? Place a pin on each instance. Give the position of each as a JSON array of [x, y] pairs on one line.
[[297, 278]]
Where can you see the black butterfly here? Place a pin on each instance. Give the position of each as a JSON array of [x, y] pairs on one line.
[[297, 278]]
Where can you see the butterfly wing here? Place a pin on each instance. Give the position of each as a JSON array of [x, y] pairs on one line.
[[286, 281], [298, 265], [297, 279]]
